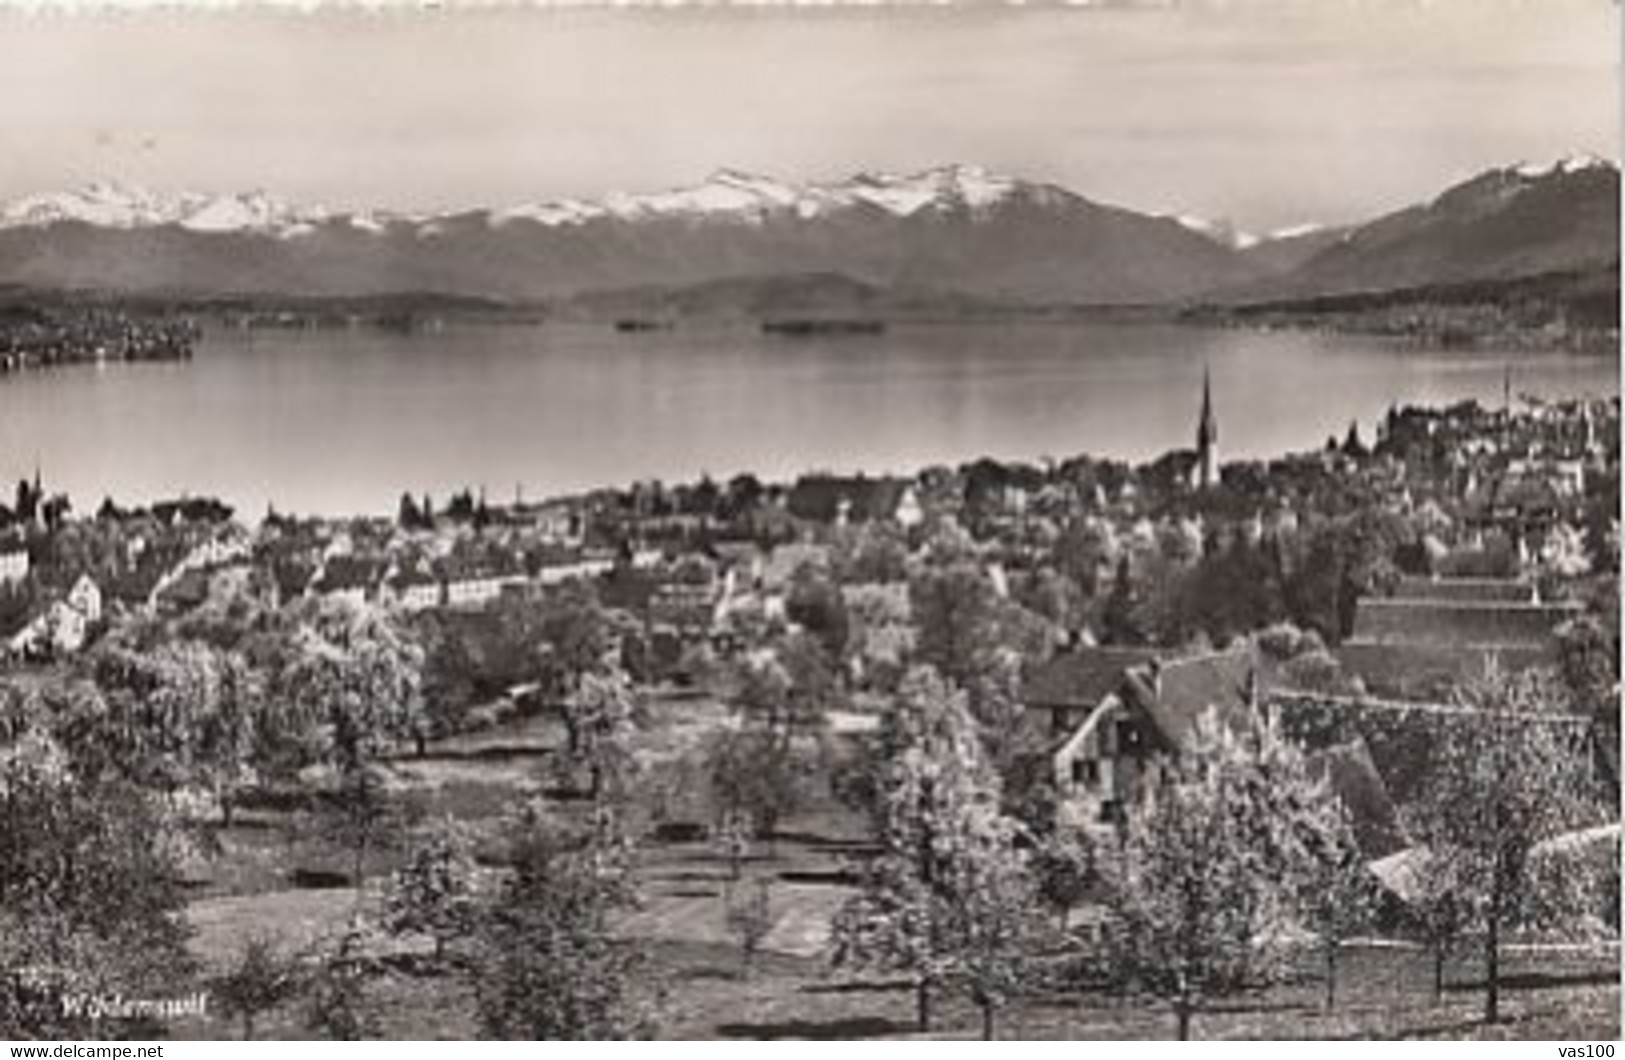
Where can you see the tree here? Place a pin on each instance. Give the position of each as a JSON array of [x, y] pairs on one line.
[[336, 992], [181, 714], [1086, 550], [953, 611], [1588, 659], [779, 698], [1436, 906], [948, 901], [815, 604], [753, 778], [366, 816], [1304, 836], [89, 903], [1064, 869], [749, 917], [550, 968], [1508, 776], [260, 979], [1198, 906], [567, 638], [603, 707], [897, 922], [1118, 621], [353, 673], [1336, 894], [450, 685], [992, 907], [734, 834], [433, 893], [409, 516]]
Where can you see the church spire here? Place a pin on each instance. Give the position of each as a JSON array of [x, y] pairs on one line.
[[1207, 437]]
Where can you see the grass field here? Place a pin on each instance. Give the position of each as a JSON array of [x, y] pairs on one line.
[[1385, 991], [695, 969]]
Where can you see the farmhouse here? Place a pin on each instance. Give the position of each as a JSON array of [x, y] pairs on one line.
[[1152, 712]]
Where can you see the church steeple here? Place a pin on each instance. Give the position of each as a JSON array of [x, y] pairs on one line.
[[1207, 438]]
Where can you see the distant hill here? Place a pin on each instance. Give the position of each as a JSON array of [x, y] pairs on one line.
[[1503, 224], [818, 295], [1284, 252], [1576, 309]]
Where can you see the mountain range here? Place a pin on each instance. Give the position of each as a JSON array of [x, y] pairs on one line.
[[957, 231]]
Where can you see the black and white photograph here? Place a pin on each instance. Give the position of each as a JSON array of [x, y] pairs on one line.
[[809, 520]]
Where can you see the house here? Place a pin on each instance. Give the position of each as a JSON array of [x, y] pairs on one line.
[[909, 513], [555, 523], [1066, 688], [1150, 714], [414, 589], [187, 591], [64, 626], [856, 499], [14, 564], [478, 587], [351, 579], [741, 563], [780, 568], [219, 549], [86, 598]]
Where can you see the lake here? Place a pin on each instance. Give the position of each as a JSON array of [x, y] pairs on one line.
[[335, 422]]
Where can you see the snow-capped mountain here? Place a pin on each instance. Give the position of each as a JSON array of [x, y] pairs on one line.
[[727, 195], [114, 205], [954, 228], [107, 205], [1571, 164], [733, 195]]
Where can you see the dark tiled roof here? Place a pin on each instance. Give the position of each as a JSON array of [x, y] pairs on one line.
[[192, 510], [1081, 677], [1427, 671], [407, 577], [188, 591], [1354, 777], [351, 572], [1465, 590], [818, 497], [1479, 625], [1175, 694]]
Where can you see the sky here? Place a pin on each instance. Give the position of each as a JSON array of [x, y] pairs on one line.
[[1266, 113]]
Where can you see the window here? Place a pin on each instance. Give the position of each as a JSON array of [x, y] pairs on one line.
[[1085, 771], [1110, 811], [1128, 735]]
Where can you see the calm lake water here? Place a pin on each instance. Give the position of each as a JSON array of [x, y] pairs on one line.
[[341, 422]]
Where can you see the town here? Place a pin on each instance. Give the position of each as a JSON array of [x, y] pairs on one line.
[[844, 756], [33, 337]]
